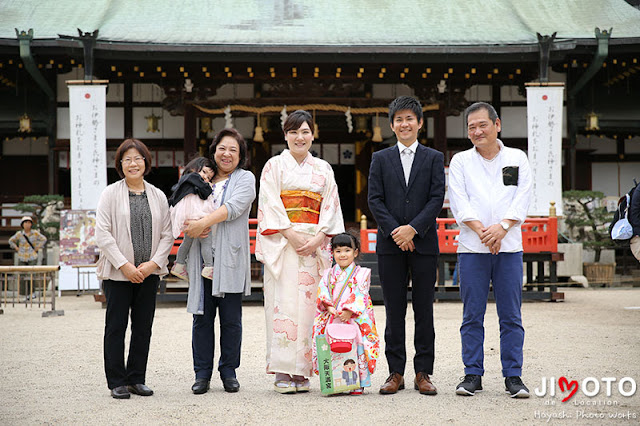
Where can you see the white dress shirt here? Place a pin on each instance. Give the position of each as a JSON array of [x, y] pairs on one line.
[[407, 154], [477, 192]]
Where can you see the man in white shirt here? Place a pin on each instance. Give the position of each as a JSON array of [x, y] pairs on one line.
[[489, 192]]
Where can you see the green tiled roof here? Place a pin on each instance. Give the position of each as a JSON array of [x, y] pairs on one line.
[[332, 23]]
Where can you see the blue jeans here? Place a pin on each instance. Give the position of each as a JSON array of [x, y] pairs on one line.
[[504, 270]]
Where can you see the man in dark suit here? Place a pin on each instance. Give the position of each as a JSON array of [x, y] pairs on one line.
[[406, 191]]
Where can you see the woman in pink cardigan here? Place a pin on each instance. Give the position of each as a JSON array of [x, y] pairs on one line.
[[133, 231]]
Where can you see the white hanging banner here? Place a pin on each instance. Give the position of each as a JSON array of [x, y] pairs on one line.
[[544, 130], [88, 152]]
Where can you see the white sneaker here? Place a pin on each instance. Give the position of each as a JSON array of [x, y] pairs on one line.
[[207, 272], [180, 271]]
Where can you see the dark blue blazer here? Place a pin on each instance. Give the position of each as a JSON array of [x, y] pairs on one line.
[[393, 203]]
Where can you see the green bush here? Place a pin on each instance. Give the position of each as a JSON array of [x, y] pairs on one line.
[[588, 219], [36, 205]]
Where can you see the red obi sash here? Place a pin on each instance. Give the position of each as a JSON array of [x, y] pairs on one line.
[[302, 206]]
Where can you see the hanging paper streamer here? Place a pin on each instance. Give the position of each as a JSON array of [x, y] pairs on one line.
[[349, 120], [228, 119], [377, 131], [258, 136], [283, 115], [316, 128]]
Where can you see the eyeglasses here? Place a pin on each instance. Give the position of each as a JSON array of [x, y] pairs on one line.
[[130, 160]]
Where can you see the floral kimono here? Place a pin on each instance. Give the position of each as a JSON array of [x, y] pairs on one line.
[[303, 197], [355, 298]]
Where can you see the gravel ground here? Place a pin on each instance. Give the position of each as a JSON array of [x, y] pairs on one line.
[[51, 370]]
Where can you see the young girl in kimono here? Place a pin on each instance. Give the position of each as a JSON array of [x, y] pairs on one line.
[[354, 304], [190, 201]]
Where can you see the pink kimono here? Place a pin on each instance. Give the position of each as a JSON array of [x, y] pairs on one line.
[[290, 281], [356, 299]]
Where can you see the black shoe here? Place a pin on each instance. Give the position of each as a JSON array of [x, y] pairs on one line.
[[231, 384], [140, 389], [471, 384], [200, 386], [516, 388], [120, 392]]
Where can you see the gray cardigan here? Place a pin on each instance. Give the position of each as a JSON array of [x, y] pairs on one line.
[[231, 267]]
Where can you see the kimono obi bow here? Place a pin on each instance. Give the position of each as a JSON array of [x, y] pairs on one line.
[[302, 206]]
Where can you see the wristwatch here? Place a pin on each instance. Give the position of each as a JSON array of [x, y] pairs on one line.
[[504, 225]]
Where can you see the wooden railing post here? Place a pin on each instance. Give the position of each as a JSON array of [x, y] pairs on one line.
[[46, 271], [553, 225]]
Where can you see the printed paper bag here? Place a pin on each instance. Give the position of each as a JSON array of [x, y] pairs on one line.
[[338, 371]]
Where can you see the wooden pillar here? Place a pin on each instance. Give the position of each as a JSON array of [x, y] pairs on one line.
[[620, 150], [496, 99], [190, 133], [364, 152], [128, 109], [52, 136], [440, 131]]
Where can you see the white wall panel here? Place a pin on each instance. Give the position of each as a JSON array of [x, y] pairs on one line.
[[170, 127], [115, 123], [514, 122], [62, 124], [614, 179], [25, 146], [456, 127]]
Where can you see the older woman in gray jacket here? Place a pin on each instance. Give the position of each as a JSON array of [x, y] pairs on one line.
[[233, 192]]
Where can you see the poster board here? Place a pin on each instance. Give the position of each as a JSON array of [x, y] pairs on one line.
[[77, 247]]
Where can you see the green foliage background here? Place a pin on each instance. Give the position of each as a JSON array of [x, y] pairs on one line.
[[35, 205], [588, 218]]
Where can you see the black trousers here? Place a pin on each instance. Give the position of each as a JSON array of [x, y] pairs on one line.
[[203, 337], [139, 299], [395, 271]]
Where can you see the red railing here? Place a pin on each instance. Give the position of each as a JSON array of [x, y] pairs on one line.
[[253, 228], [538, 235]]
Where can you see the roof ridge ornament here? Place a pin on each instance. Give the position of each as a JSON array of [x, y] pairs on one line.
[[545, 43], [88, 41]]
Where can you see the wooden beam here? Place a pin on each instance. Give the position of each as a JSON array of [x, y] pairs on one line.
[[440, 131], [190, 132], [128, 109]]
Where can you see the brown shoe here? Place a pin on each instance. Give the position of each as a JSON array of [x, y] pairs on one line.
[[424, 385], [393, 383]]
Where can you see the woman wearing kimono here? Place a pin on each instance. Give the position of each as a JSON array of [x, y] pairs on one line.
[[298, 211]]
